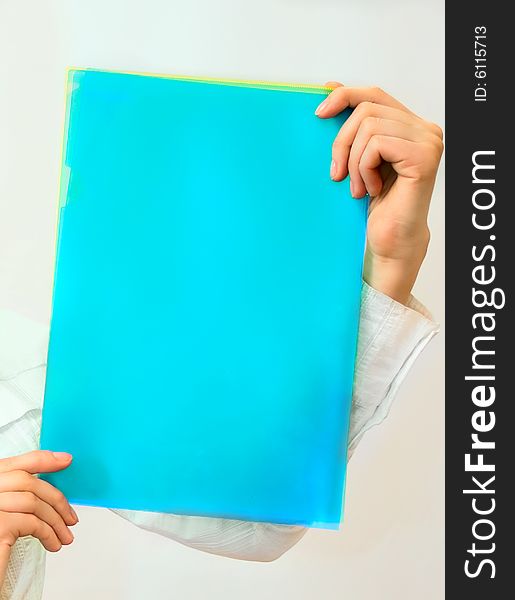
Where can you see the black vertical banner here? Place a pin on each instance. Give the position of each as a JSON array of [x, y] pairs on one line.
[[480, 251]]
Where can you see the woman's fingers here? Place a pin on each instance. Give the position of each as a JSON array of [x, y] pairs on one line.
[[349, 97], [369, 127], [31, 506], [21, 481], [28, 503], [21, 525], [343, 142], [333, 84], [375, 113], [408, 158], [38, 461]]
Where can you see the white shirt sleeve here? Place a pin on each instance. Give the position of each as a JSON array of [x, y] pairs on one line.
[[391, 336]]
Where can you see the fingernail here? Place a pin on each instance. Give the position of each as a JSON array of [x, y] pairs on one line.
[[352, 193], [334, 168], [74, 514], [62, 455], [321, 107]]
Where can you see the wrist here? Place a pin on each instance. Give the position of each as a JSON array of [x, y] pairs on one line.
[[392, 277]]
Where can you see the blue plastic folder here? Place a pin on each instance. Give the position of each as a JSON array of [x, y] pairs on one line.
[[206, 300]]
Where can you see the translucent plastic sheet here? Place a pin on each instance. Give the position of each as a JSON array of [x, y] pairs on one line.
[[206, 300]]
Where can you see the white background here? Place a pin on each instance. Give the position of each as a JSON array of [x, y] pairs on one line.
[[391, 545]]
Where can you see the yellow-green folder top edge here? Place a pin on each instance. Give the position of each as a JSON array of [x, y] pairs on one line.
[[270, 85]]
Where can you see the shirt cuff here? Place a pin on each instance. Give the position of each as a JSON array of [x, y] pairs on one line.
[[391, 337]]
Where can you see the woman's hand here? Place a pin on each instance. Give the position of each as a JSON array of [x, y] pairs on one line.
[[31, 506], [392, 154]]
